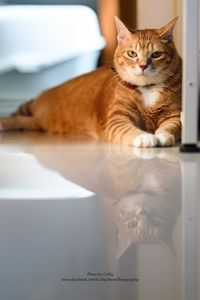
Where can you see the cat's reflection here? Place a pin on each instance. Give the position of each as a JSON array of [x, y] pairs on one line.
[[145, 219], [147, 210], [142, 185]]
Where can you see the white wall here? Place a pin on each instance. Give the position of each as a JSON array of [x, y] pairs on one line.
[[155, 14]]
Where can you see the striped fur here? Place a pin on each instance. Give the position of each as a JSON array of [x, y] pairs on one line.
[[116, 106]]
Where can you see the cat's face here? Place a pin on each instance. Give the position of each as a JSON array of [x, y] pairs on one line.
[[145, 56], [143, 219]]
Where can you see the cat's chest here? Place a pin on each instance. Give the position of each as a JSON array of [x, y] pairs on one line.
[[150, 96]]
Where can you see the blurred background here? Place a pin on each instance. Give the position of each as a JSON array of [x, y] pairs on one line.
[[40, 48]]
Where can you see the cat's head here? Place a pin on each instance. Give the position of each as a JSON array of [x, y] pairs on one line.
[[144, 57], [144, 219]]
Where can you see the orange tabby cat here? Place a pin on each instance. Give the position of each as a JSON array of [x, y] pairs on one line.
[[136, 103]]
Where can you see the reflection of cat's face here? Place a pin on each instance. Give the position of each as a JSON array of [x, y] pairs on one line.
[[142, 218]]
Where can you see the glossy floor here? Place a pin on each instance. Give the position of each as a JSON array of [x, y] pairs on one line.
[[85, 221]]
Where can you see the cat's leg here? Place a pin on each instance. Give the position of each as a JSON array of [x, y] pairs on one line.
[[124, 132], [169, 132], [18, 122]]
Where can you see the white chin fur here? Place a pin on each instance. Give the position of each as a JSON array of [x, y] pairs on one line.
[[139, 80], [135, 77]]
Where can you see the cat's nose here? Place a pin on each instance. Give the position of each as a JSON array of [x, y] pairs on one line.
[[143, 67]]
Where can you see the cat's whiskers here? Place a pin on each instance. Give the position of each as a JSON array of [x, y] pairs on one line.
[[170, 75], [116, 78]]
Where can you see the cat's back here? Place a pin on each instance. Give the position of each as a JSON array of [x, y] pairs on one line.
[[92, 81], [73, 104], [82, 88]]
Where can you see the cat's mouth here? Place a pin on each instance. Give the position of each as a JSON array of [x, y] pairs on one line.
[[138, 77], [143, 74], [148, 72]]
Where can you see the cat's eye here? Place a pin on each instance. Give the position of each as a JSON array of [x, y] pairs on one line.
[[156, 54], [132, 224], [131, 53]]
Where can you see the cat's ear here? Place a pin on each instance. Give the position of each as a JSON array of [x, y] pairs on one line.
[[166, 32], [167, 243], [123, 245], [123, 34]]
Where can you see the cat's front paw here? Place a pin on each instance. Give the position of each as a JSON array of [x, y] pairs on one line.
[[145, 140], [165, 139]]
